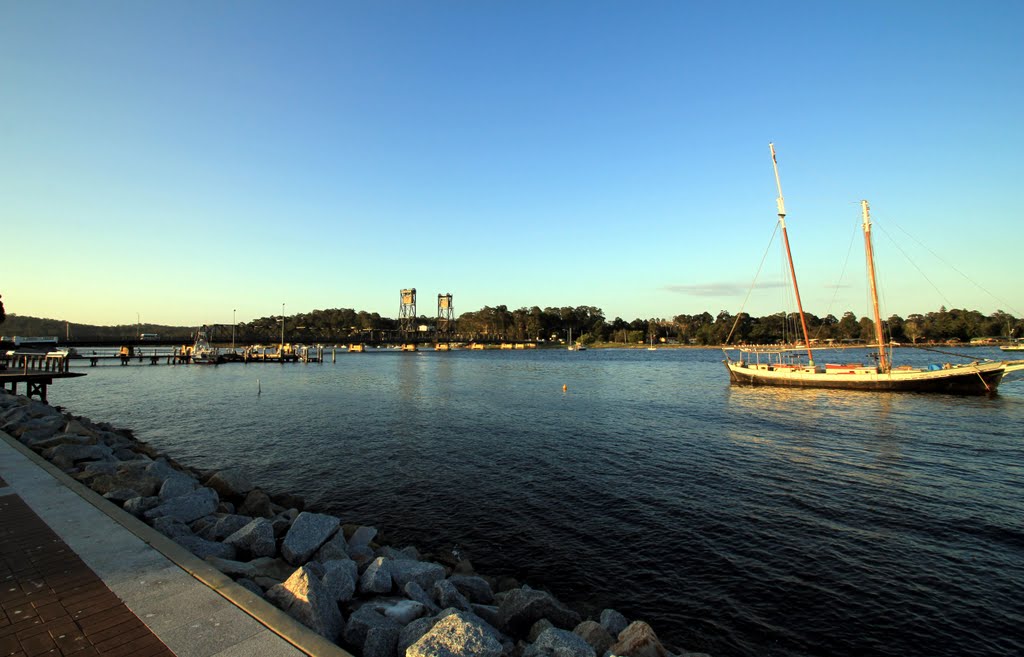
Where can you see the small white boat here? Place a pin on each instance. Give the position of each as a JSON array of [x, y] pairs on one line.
[[203, 353]]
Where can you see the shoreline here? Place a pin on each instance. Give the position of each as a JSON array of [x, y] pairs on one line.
[[346, 582]]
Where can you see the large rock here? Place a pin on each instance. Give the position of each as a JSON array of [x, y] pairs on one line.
[[475, 588], [282, 522], [335, 548], [29, 428], [274, 569], [304, 598], [224, 526], [376, 578], [172, 528], [257, 537], [257, 505], [57, 439], [177, 485], [203, 548], [137, 506], [639, 640], [361, 554], [306, 535], [121, 495], [365, 619], [13, 417], [362, 536], [65, 456], [596, 636], [554, 642], [613, 621], [424, 573], [230, 484], [144, 476], [381, 641], [456, 636], [521, 608], [413, 632], [75, 426], [186, 508], [488, 613], [448, 596], [340, 577], [415, 592]]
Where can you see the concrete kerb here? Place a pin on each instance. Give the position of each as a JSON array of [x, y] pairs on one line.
[[263, 612]]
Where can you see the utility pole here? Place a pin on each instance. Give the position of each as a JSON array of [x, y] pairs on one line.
[[235, 310]]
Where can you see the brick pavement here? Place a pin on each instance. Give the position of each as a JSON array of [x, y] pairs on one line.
[[52, 603]]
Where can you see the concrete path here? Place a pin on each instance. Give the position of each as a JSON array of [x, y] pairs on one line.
[[188, 606]]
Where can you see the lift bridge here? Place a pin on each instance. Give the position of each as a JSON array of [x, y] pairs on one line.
[[408, 329]]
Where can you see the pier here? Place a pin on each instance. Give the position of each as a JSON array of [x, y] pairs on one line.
[[36, 370]]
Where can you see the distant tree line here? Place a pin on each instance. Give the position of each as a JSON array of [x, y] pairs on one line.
[[586, 324]]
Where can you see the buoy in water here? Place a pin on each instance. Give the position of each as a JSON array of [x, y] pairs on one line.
[[564, 387]]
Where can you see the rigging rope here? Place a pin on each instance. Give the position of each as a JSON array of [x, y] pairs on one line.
[[752, 284], [953, 267], [946, 353], [914, 264]]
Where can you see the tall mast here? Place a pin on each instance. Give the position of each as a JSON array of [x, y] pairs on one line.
[[789, 254], [883, 361]]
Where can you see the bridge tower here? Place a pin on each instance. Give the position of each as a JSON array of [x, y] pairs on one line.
[[445, 321], [407, 319]]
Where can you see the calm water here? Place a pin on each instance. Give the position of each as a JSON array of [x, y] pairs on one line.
[[736, 521]]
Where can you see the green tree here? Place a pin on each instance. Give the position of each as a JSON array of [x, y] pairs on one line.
[[848, 328], [867, 330]]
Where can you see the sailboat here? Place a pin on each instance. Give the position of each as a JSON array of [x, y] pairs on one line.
[[652, 347], [776, 367]]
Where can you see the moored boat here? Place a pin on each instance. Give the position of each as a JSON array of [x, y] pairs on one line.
[[785, 368], [203, 353]]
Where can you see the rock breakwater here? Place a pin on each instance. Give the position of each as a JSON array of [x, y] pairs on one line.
[[341, 580]]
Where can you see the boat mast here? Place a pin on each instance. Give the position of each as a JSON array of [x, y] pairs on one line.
[[883, 361], [789, 255]]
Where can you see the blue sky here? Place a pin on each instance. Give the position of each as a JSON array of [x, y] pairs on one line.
[[175, 161]]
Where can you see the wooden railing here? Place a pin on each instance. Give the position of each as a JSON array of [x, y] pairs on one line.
[[28, 362]]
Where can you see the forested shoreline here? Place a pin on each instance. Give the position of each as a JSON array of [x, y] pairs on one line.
[[587, 324]]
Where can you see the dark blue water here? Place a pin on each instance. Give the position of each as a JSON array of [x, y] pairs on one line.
[[736, 521]]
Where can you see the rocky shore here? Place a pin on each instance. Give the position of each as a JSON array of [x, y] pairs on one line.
[[340, 580]]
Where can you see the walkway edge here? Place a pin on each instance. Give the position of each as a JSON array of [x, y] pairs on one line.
[[259, 609]]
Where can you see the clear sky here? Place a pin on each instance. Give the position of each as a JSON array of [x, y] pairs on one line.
[[176, 161]]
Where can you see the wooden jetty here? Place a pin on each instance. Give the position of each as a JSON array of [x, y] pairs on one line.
[[36, 370]]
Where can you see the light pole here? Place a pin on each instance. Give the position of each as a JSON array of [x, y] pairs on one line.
[[235, 310], [282, 326]]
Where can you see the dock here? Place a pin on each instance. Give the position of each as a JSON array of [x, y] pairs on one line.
[[36, 370]]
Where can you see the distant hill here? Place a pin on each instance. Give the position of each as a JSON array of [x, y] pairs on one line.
[[38, 326]]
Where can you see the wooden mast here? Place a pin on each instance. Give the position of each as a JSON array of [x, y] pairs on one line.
[[883, 361], [789, 255]]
